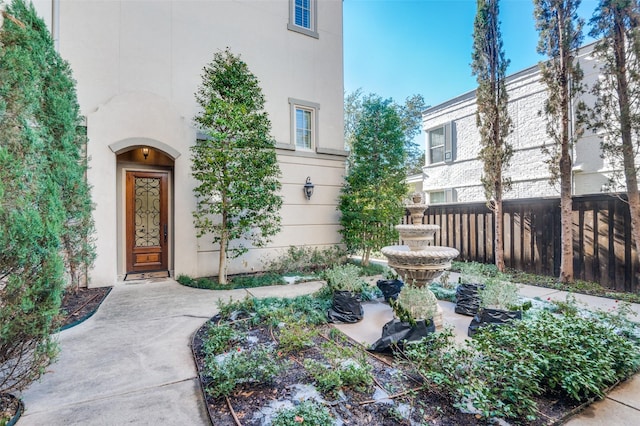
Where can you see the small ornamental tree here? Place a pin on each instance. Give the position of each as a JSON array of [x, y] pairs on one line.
[[616, 112], [489, 66], [411, 120], [560, 31], [238, 200], [45, 207], [371, 199]]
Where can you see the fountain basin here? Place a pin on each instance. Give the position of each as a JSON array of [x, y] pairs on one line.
[[420, 266], [417, 237], [417, 212]]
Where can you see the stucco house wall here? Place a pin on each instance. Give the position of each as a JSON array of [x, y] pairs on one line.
[[529, 173], [138, 65]]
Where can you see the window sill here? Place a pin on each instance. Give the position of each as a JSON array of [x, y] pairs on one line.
[[302, 30]]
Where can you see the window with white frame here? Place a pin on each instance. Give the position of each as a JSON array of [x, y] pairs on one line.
[[304, 123], [440, 144], [442, 197], [304, 135], [302, 17], [436, 145]]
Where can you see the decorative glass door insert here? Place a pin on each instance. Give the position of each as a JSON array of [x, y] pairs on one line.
[[147, 227]]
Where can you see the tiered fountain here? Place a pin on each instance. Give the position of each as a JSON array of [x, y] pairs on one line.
[[418, 262]]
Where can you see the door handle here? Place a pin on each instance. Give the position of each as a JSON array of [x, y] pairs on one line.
[[166, 232]]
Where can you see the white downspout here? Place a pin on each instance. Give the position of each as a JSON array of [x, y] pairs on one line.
[[55, 24]]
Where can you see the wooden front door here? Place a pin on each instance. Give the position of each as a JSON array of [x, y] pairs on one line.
[[147, 226]]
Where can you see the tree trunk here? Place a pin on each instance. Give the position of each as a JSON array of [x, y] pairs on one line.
[[499, 233], [365, 256], [566, 221], [624, 104], [224, 241], [566, 213]]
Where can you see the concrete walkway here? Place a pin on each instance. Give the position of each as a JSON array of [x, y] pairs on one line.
[[131, 363]]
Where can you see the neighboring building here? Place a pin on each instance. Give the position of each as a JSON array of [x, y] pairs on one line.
[[138, 64], [453, 171]]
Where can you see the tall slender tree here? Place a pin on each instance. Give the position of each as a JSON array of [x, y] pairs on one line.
[[616, 112], [492, 117], [238, 198], [45, 206], [560, 31], [371, 199]]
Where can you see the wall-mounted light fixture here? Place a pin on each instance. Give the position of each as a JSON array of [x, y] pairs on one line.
[[308, 188], [145, 152]]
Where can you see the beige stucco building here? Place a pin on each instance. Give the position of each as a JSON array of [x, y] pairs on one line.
[[138, 65], [453, 171]]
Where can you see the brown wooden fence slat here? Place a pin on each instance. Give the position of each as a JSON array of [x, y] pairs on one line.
[[603, 246]]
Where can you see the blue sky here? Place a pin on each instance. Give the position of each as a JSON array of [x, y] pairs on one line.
[[397, 48]]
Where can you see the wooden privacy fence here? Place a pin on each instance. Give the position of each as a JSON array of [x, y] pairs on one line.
[[602, 244]]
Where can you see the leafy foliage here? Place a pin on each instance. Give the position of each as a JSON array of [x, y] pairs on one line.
[[492, 117], [503, 369], [345, 368], [345, 278], [227, 373], [560, 31], [45, 214], [295, 336], [238, 193], [411, 120], [273, 310], [220, 338], [370, 200], [307, 412], [249, 281], [306, 259], [415, 303]]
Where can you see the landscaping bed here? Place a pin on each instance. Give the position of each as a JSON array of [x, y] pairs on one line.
[[80, 304], [260, 361], [392, 397]]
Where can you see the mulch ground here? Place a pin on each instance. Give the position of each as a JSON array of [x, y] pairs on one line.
[[81, 303]]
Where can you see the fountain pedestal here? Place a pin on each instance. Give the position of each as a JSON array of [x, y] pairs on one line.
[[418, 262]]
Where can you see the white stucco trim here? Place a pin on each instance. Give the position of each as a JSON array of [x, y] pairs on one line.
[[124, 145]]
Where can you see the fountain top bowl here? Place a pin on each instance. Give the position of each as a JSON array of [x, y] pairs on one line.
[[417, 206]]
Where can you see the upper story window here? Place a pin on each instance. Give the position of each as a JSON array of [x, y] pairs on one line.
[[440, 144], [436, 145], [304, 134], [304, 123], [303, 17]]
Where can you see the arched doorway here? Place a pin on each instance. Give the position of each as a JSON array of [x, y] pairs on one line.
[[145, 186]]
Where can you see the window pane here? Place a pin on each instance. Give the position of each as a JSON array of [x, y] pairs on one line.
[[436, 197], [436, 137], [436, 145], [303, 128], [303, 13], [437, 154]]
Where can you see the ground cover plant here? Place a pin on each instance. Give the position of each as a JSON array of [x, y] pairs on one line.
[[503, 370], [536, 371]]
